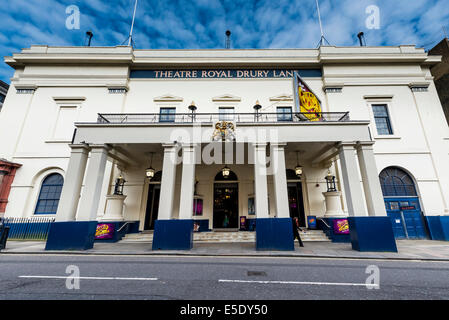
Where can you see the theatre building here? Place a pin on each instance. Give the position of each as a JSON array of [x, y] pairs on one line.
[[188, 142]]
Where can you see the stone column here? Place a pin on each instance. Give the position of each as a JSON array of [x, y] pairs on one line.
[[280, 180], [175, 234], [353, 189], [188, 182], [368, 233], [168, 182], [90, 199], [260, 180], [68, 203], [373, 191]]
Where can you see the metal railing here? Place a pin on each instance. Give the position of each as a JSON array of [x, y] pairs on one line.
[[180, 118], [33, 228]]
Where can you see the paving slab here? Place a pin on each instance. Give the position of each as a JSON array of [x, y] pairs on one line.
[[408, 250]]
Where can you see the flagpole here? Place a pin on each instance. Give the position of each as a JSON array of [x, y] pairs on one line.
[[319, 19], [322, 39], [132, 25]]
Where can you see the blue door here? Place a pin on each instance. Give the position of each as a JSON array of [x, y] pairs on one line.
[[402, 204], [406, 218]]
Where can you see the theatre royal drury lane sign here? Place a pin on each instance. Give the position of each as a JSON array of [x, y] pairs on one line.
[[221, 73]]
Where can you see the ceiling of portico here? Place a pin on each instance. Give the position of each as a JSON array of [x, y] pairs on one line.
[[313, 153]]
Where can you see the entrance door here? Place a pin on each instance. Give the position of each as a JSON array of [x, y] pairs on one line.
[[296, 203], [402, 203], [226, 206], [154, 192], [406, 218]]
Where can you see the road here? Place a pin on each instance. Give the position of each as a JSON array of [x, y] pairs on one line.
[[204, 278]]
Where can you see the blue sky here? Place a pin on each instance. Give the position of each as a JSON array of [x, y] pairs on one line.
[[202, 23]]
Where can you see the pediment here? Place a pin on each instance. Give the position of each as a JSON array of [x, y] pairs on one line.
[[282, 97], [168, 98], [227, 98]]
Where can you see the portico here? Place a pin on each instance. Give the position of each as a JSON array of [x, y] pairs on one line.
[[260, 152]]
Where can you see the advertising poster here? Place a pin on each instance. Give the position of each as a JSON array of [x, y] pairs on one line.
[[105, 231], [341, 226]]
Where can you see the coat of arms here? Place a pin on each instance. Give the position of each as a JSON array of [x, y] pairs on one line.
[[224, 130]]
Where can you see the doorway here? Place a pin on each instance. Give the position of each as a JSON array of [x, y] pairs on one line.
[[295, 198], [226, 206], [402, 204], [154, 193], [296, 203]]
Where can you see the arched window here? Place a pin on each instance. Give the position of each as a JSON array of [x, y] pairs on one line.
[[397, 183], [49, 195]]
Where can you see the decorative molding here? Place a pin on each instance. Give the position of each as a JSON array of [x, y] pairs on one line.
[[226, 98], [25, 89], [333, 88], [117, 89], [282, 97], [168, 98], [62, 100], [378, 97], [419, 86]]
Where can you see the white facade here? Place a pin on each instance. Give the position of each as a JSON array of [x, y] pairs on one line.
[[53, 88]]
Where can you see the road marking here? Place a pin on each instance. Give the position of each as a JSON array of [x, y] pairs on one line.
[[90, 278], [300, 283]]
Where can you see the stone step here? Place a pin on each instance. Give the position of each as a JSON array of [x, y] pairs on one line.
[[310, 235]]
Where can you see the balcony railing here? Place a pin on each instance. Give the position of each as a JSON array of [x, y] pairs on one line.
[[180, 118]]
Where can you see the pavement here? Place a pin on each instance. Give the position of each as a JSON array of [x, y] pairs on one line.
[[424, 250]]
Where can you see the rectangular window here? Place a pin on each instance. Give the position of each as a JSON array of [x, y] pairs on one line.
[[167, 115], [382, 119], [226, 113], [284, 114]]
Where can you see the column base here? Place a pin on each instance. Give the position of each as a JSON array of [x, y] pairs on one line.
[[373, 234], [72, 235], [173, 235], [438, 227], [274, 234]]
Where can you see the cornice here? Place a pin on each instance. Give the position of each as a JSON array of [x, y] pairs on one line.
[[127, 56]]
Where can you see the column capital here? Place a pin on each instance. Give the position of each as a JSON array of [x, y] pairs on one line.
[[365, 144], [260, 144], [278, 145], [190, 146], [346, 145], [83, 147], [100, 147]]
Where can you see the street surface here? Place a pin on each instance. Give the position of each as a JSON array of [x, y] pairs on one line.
[[205, 278]]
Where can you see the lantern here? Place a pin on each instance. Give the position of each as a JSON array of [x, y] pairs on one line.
[[256, 108], [298, 169], [119, 184], [226, 172], [192, 109], [330, 181], [149, 172]]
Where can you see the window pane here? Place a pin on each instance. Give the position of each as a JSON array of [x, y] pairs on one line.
[[167, 114], [226, 114], [382, 120], [284, 114], [49, 195]]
